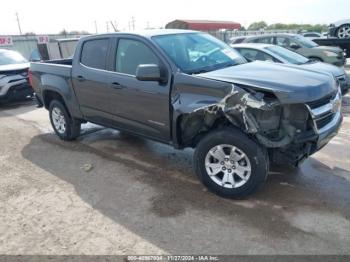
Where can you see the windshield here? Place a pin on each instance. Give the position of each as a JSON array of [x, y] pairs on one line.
[[305, 42], [195, 53], [8, 57], [288, 55]]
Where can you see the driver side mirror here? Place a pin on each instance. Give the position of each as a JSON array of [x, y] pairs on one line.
[[149, 72], [294, 46]]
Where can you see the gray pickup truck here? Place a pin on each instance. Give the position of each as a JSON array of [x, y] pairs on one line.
[[188, 89]]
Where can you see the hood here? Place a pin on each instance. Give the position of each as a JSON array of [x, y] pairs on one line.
[[330, 48], [323, 67], [13, 67], [290, 83]]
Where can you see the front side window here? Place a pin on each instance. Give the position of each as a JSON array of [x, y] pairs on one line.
[[303, 41], [285, 42], [131, 54], [195, 53], [289, 56], [94, 53], [8, 57]]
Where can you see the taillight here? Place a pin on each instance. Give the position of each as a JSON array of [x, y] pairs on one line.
[[30, 78]]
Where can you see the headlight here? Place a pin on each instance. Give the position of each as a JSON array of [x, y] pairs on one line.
[[330, 54]]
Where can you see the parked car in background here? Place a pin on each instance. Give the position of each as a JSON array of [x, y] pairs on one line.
[[340, 29], [188, 89], [312, 35], [13, 76], [303, 46], [278, 54]]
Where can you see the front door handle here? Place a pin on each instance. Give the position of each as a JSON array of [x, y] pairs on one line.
[[116, 85], [81, 78]]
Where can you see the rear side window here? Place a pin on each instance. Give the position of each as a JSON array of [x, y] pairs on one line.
[[94, 53], [264, 40], [131, 54]]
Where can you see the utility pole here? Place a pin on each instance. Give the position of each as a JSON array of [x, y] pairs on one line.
[[107, 26], [133, 22], [96, 27], [19, 24], [114, 25]]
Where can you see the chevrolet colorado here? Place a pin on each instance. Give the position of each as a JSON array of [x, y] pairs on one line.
[[188, 89]]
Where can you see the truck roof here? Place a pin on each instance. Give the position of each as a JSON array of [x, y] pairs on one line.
[[148, 33]]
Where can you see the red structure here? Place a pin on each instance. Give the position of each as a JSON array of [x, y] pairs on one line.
[[203, 25]]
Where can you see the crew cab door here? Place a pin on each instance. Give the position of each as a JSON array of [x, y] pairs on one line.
[[141, 106], [90, 78]]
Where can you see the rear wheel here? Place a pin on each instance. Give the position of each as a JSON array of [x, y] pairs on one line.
[[66, 127], [230, 164], [343, 31]]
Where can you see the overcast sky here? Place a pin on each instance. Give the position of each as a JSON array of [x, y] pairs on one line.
[[50, 16]]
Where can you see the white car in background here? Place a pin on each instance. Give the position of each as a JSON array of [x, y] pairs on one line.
[[278, 54]]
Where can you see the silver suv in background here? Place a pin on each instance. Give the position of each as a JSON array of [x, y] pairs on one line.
[[14, 82], [302, 45]]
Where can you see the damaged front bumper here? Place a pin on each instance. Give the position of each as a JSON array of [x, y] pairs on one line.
[[291, 133], [326, 119]]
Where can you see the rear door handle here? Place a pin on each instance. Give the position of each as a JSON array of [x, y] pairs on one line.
[[116, 85], [81, 78]]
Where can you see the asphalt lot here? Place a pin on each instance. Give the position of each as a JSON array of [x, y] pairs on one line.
[[113, 193]]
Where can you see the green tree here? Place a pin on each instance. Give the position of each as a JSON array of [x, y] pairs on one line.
[[257, 25]]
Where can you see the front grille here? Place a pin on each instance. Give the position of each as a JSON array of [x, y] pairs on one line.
[[322, 122], [323, 101]]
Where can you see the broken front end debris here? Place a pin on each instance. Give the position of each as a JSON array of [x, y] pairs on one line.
[[290, 132]]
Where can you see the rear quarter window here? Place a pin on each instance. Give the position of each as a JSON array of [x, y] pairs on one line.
[[94, 53]]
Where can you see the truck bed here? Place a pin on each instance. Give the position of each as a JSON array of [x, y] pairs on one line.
[[342, 43], [60, 67]]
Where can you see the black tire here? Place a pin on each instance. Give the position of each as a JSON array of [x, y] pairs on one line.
[[316, 59], [257, 156], [72, 127]]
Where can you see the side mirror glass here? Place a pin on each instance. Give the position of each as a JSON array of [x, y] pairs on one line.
[[148, 72]]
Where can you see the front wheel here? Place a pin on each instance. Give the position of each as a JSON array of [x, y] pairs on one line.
[[230, 164]]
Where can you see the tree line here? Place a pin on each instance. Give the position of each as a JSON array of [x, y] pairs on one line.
[[262, 25]]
